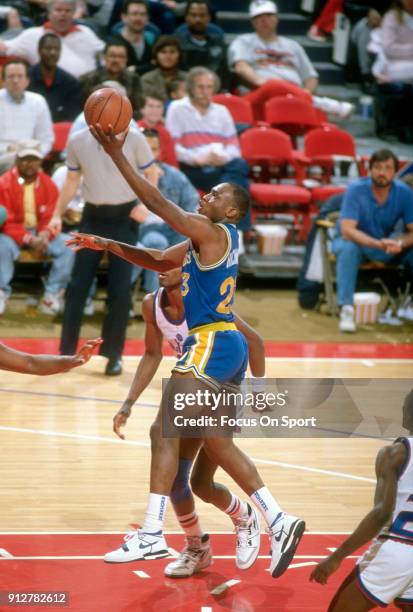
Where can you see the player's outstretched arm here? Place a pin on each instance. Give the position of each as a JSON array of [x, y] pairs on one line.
[[24, 363], [147, 367], [388, 463], [256, 347], [194, 226], [150, 259]]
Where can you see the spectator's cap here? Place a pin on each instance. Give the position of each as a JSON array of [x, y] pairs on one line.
[[28, 148], [262, 7]]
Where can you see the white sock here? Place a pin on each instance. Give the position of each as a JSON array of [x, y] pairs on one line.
[[190, 524], [267, 505], [155, 513], [236, 508]]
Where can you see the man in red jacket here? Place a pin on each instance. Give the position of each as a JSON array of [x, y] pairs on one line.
[[29, 197]]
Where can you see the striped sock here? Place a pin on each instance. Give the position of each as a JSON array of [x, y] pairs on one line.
[[190, 524], [236, 508]]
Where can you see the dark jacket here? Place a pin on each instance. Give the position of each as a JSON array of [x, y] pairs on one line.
[[62, 96]]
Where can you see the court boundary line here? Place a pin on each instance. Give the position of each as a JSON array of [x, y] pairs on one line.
[[114, 440], [173, 532]]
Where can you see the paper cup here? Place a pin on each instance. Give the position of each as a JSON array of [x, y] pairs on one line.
[[271, 239], [366, 307]]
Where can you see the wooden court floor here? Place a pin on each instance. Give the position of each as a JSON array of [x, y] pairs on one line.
[[62, 468]]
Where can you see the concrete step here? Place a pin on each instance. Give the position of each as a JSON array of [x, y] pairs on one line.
[[284, 6], [330, 74], [236, 22], [317, 52]]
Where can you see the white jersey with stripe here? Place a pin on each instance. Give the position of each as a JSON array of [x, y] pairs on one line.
[[401, 526], [174, 332]]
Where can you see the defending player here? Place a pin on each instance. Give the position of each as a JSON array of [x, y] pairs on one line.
[[215, 353], [385, 572], [17, 361], [164, 316]]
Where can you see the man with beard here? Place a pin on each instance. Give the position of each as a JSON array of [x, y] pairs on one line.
[[374, 213]]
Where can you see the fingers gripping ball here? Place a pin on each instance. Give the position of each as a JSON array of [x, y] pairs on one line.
[[107, 106], [3, 215]]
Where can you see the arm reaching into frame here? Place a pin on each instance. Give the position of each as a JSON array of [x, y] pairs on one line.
[[24, 363]]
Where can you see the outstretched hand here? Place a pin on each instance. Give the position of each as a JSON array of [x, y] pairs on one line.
[[111, 142], [85, 352], [324, 569], [80, 241], [120, 420]]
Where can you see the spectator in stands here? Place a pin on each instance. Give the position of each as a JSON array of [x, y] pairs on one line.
[[59, 88], [394, 70], [176, 89], [166, 55], [30, 196], [10, 22], [371, 210], [360, 37], [138, 40], [264, 61], [80, 46], [23, 115], [152, 117], [200, 46], [206, 141], [325, 22], [154, 233], [115, 61]]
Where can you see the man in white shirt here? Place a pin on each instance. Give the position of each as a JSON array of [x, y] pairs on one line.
[[264, 56], [205, 136], [24, 115], [80, 45]]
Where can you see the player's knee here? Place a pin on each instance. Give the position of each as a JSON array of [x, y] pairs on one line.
[[155, 433], [180, 488]]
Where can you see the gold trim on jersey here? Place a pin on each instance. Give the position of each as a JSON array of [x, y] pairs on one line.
[[223, 258], [218, 326], [215, 384]]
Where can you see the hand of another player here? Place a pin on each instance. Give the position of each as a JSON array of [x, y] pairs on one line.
[[111, 142], [86, 351], [86, 241], [120, 420], [324, 569]]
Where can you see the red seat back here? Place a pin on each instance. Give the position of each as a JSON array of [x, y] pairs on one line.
[[61, 133], [266, 144], [239, 108], [292, 114], [329, 141]]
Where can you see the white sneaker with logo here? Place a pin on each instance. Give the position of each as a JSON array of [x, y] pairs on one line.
[[247, 528], [285, 536], [347, 322], [50, 304], [195, 557], [137, 546], [3, 301], [333, 107]]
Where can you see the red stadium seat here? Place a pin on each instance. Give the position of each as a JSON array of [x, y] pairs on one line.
[[239, 108], [324, 146], [291, 114], [270, 154], [271, 157], [61, 133]]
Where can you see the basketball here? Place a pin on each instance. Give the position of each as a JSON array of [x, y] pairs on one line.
[[107, 106]]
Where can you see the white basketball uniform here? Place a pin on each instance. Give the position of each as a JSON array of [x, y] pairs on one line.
[[385, 571], [174, 332]]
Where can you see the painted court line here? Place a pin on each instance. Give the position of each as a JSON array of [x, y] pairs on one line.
[[224, 586], [100, 557], [141, 574], [114, 440], [22, 533]]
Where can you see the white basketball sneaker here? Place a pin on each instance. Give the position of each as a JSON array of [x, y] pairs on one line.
[[139, 545], [195, 557], [247, 528], [285, 536]]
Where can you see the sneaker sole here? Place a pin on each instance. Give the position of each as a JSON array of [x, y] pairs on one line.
[[158, 555], [291, 543], [196, 571]]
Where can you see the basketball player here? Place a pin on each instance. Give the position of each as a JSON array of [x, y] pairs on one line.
[[385, 572], [215, 352], [164, 316], [17, 361]]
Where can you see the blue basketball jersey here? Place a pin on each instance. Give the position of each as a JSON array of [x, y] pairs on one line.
[[208, 291]]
